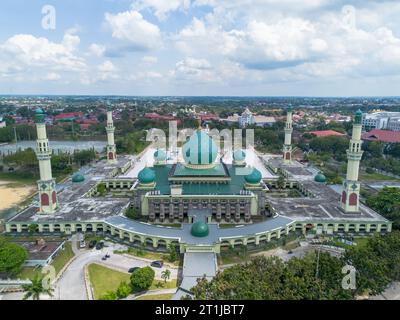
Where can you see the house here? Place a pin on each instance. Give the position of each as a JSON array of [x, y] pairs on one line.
[[382, 136]]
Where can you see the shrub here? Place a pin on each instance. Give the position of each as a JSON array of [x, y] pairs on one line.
[[142, 278]]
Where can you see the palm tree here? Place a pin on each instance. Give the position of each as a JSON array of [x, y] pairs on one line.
[[36, 288], [165, 275]]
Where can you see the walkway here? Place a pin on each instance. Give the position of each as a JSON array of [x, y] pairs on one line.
[[196, 265]]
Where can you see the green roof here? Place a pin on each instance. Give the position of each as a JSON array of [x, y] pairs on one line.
[[320, 177], [239, 155], [234, 186], [200, 149], [146, 176], [200, 229], [254, 177], [182, 171], [78, 177], [160, 155]]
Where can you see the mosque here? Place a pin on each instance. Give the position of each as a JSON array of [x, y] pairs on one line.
[[200, 199]]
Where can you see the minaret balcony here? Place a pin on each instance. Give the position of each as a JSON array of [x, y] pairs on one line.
[[353, 155]]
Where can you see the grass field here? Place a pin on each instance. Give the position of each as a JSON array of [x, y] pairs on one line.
[[165, 296], [105, 279], [376, 177]]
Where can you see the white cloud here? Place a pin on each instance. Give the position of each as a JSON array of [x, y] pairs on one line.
[[132, 27], [52, 76], [149, 60], [161, 8], [97, 49], [25, 52], [195, 70]]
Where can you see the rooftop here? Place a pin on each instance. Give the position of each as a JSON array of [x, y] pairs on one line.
[[382, 135]]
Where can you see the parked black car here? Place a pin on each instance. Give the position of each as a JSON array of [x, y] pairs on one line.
[[157, 264], [132, 270], [92, 244], [99, 245]]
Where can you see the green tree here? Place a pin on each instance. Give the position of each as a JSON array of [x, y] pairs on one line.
[[166, 274], [36, 288], [141, 279], [172, 254], [123, 290], [101, 188], [32, 228], [12, 257], [387, 203], [111, 295]]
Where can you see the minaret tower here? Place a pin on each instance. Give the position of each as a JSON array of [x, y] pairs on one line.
[[351, 186], [46, 184], [111, 149], [287, 147]]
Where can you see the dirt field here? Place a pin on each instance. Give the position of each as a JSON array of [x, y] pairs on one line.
[[12, 194]]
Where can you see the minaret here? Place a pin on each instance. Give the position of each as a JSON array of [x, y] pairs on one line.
[[46, 184], [111, 149], [287, 147], [351, 186]]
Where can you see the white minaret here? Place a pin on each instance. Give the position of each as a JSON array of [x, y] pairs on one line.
[[111, 149], [351, 187], [287, 147], [46, 184]]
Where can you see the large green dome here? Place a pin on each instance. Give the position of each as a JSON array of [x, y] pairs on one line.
[[78, 177], [239, 155], [160, 155], [320, 177], [146, 176], [200, 229], [200, 149], [254, 177]]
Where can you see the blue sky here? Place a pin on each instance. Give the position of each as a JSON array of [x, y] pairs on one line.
[[201, 47]]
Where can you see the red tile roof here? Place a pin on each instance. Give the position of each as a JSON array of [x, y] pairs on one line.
[[382, 135], [70, 115], [326, 133]]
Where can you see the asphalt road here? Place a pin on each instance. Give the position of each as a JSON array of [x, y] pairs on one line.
[[71, 286]]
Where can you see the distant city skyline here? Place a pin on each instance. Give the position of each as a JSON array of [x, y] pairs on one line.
[[264, 48]]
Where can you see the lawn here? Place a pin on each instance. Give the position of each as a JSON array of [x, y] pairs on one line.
[[63, 258], [105, 279], [29, 273], [165, 296], [376, 177], [150, 255]]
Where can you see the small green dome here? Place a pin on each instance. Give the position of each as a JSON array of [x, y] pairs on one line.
[[320, 177], [200, 149], [146, 176], [39, 115], [358, 117], [200, 229], [160, 155], [254, 177], [239, 155], [78, 177]]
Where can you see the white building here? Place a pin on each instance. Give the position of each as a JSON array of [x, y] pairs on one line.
[[379, 120], [2, 122], [246, 119], [394, 124]]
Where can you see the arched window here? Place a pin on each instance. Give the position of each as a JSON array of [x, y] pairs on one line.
[[287, 155], [353, 199], [110, 156], [44, 199], [54, 197], [344, 196]]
